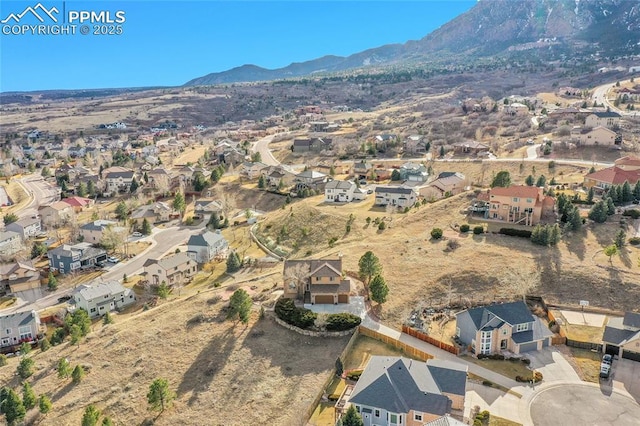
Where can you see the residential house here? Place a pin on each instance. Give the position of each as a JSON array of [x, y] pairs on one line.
[[622, 336], [174, 269], [316, 281], [398, 196], [27, 227], [469, 148], [71, 258], [206, 246], [93, 232], [253, 170], [607, 119], [600, 136], [19, 327], [339, 191], [318, 126], [628, 163], [76, 151], [55, 214], [602, 180], [505, 326], [309, 179], [382, 141], [516, 108], [519, 204], [415, 144], [79, 203], [398, 391], [447, 183], [99, 298], [206, 207], [18, 276], [413, 172], [311, 145], [157, 212], [362, 169], [10, 242], [277, 174], [118, 181]]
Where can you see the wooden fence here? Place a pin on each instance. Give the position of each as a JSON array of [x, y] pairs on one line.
[[584, 345], [561, 338], [426, 338], [409, 350]]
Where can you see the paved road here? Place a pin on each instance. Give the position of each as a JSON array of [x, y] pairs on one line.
[[532, 151], [262, 146], [41, 193]]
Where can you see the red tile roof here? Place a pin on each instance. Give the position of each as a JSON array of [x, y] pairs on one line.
[[77, 201], [522, 191], [615, 176], [629, 160]]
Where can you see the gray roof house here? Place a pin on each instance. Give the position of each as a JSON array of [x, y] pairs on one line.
[[18, 327], [98, 299], [69, 258], [10, 242], [396, 196], [622, 336], [206, 246], [397, 390], [26, 227], [504, 326]]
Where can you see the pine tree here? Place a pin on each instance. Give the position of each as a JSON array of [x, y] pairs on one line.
[[611, 208], [91, 416], [146, 227], [352, 418], [369, 266], [52, 282], [28, 396], [214, 221], [590, 195], [134, 186], [540, 183], [636, 190], [529, 180], [240, 306], [620, 238], [502, 179], [378, 289], [121, 211], [44, 404], [627, 192], [159, 395], [179, 202], [78, 374], [82, 189], [598, 212], [339, 367], [233, 262], [12, 407], [64, 369], [107, 319], [261, 182]]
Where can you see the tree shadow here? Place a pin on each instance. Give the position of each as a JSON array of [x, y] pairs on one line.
[[206, 366], [575, 244], [62, 392], [625, 258]]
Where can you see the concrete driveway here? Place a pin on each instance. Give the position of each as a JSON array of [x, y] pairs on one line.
[[626, 377], [552, 364]]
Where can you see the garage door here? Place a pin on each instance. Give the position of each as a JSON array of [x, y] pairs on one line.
[[634, 356], [343, 298], [324, 299], [527, 347], [612, 350], [545, 343]]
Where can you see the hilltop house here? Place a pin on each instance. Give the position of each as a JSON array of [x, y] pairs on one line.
[[309, 179], [252, 170], [415, 144], [154, 213], [505, 326], [469, 148], [602, 180], [10, 242], [18, 276], [600, 136], [447, 183], [339, 191], [206, 207], [19, 327], [311, 145], [277, 174], [27, 227], [98, 299], [622, 336], [607, 119], [399, 391], [316, 281], [69, 258], [398, 196], [174, 269], [206, 246], [519, 204]]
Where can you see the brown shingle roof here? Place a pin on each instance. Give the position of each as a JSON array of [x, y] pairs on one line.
[[522, 191]]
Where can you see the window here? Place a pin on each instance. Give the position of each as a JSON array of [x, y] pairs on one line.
[[516, 199], [358, 408], [417, 417], [93, 310], [485, 342], [376, 413], [25, 332], [529, 200], [8, 331], [522, 327], [504, 331], [5, 342], [458, 331], [393, 419]]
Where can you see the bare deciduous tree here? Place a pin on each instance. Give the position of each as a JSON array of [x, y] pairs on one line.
[[297, 275]]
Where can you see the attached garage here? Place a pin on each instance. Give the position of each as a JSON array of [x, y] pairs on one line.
[[324, 299], [528, 347], [343, 298], [545, 343], [634, 356], [612, 349]]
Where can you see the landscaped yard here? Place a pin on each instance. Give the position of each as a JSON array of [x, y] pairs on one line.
[[323, 415], [509, 369]]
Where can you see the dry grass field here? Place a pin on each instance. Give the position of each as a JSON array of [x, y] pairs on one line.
[[224, 373]]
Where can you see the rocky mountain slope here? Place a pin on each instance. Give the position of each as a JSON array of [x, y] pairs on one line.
[[548, 29]]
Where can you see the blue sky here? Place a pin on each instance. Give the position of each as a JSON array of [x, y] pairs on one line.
[[167, 43]]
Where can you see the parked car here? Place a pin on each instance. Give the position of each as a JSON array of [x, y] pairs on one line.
[[112, 259], [605, 369], [607, 359], [137, 234]]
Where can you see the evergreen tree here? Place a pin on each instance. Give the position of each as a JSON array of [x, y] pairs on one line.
[[179, 203], [619, 197], [352, 418], [163, 290], [262, 182], [12, 407], [339, 367], [369, 266], [541, 181], [134, 186], [554, 235], [52, 282], [78, 374], [395, 175], [145, 177], [590, 195], [233, 262], [620, 238], [25, 367], [214, 221], [636, 190], [627, 192], [611, 251], [91, 188], [159, 395], [64, 369], [611, 208], [146, 227], [28, 396], [82, 189], [121, 211], [44, 344], [502, 179], [529, 180], [240, 306], [91, 416], [107, 319], [44, 404], [378, 289], [598, 212], [574, 221]]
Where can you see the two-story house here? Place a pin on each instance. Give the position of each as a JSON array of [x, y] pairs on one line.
[[55, 214], [607, 119], [79, 204], [504, 326], [413, 172], [339, 191], [398, 196], [99, 298], [622, 336], [118, 181], [19, 327], [519, 204], [175, 269], [310, 179], [206, 246], [361, 169], [252, 170], [69, 258], [10, 242], [18, 276], [158, 212], [415, 144], [396, 391], [316, 281], [311, 144], [92, 232], [27, 227]]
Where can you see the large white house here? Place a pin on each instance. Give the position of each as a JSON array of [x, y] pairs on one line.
[[206, 246], [98, 299]]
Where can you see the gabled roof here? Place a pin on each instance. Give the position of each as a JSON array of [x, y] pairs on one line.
[[25, 222], [512, 313], [471, 144], [98, 225], [340, 184], [206, 239], [116, 175], [615, 176], [91, 292], [10, 268], [315, 264], [325, 270], [77, 201], [8, 235], [400, 385], [170, 262], [58, 205], [628, 160], [615, 333], [606, 114], [631, 319], [393, 190], [522, 191], [311, 174]]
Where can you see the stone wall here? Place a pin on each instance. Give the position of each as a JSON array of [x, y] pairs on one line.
[[313, 333]]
